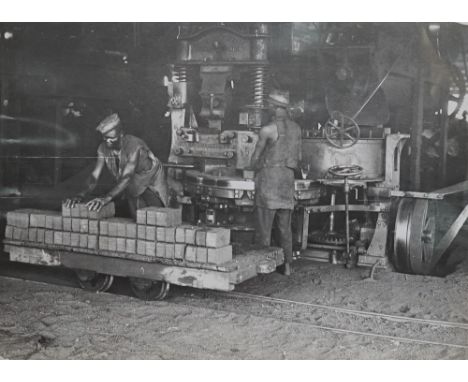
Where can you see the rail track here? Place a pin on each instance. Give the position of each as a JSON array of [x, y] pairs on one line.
[[338, 320]]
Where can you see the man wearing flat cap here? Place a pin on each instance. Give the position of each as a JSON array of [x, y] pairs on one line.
[[276, 155], [137, 171]]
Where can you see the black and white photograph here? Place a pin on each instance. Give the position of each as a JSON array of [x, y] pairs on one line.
[[209, 187]]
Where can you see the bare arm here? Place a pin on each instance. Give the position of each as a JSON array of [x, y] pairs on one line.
[[263, 137], [127, 174]]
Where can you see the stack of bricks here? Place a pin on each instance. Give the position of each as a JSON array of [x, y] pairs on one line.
[[74, 227], [160, 233]]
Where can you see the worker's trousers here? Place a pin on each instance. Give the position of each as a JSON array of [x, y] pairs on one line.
[[265, 220]]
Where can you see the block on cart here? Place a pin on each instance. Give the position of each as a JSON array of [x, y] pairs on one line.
[[76, 224], [141, 215], [83, 241], [74, 239], [50, 219], [169, 236], [9, 232], [40, 235], [150, 233], [200, 237], [49, 237], [83, 211], [220, 255], [67, 224], [167, 217], [141, 247], [202, 255], [160, 249], [151, 248], [103, 243], [190, 234], [66, 238], [84, 225], [104, 227], [218, 237], [169, 252], [37, 219], [179, 251], [112, 243], [191, 253], [18, 218], [117, 226], [141, 232], [131, 230], [121, 244], [75, 211], [93, 227], [66, 211], [92, 241], [58, 238], [160, 234], [32, 234], [130, 246]]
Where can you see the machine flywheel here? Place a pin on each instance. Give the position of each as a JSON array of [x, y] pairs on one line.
[[415, 236]]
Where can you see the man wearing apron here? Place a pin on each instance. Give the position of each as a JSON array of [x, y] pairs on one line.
[[137, 171], [276, 155]]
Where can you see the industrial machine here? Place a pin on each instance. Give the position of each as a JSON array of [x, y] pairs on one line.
[[351, 88]]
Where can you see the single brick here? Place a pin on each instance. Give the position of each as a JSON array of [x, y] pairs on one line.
[[202, 255], [179, 251], [49, 237], [66, 239], [83, 211], [141, 247], [112, 244], [151, 216], [67, 224], [190, 235], [122, 227], [180, 234], [103, 243], [17, 233], [92, 241], [168, 217], [37, 219], [75, 211], [83, 241], [58, 238], [104, 227], [130, 246], [57, 223], [18, 218], [170, 251], [108, 211], [66, 211], [150, 248], [32, 234], [74, 239], [200, 238], [76, 224], [160, 249], [93, 227], [218, 237], [170, 235], [117, 226], [84, 226], [160, 234], [121, 244], [220, 255], [131, 230], [141, 216], [150, 233], [141, 232], [49, 221], [191, 253], [9, 232], [40, 235]]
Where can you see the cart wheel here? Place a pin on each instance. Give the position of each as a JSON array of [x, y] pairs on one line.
[[93, 281], [148, 290]]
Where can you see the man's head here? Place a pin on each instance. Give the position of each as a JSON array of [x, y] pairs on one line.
[[112, 132], [278, 102]]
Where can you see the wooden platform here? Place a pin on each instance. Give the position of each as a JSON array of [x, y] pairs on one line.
[[247, 263]]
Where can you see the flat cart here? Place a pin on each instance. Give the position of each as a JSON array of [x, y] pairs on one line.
[[150, 278]]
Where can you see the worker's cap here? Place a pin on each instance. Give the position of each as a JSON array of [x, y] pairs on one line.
[[279, 98], [108, 124]]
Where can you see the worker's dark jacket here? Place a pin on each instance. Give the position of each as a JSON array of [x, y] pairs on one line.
[[274, 181], [149, 172]]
